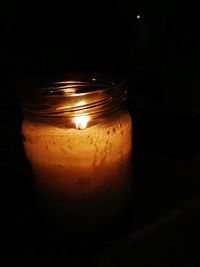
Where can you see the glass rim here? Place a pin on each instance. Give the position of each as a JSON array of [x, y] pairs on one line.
[[73, 94]]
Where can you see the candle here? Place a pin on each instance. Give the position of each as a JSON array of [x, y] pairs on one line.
[[81, 165]]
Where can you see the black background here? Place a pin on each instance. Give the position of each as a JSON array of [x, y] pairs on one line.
[[43, 37], [103, 36], [159, 52], [158, 57]]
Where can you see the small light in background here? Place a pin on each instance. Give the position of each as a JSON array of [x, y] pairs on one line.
[[138, 16]]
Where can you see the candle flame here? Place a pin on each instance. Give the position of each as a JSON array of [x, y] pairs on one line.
[[81, 121]]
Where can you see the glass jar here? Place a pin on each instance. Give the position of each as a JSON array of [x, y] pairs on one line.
[[78, 139]]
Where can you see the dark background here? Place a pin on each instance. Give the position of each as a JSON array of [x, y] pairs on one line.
[[103, 36], [158, 53], [158, 57]]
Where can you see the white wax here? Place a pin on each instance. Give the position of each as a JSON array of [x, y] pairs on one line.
[[81, 174]]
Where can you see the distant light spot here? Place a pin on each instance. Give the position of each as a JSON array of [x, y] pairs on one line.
[[138, 16]]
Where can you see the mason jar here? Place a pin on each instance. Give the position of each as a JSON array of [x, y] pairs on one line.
[[77, 136]]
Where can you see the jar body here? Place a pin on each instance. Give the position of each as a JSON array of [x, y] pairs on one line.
[[82, 177]]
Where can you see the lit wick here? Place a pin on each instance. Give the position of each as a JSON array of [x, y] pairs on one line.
[[81, 120]]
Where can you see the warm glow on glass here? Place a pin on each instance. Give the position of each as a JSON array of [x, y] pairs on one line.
[[70, 90], [81, 103], [81, 121]]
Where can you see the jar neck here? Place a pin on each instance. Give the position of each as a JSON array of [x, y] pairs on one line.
[[72, 98], [67, 96]]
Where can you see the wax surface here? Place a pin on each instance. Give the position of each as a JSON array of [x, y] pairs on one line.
[[81, 174]]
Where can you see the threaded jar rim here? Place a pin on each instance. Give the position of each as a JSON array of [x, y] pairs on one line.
[[73, 94]]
